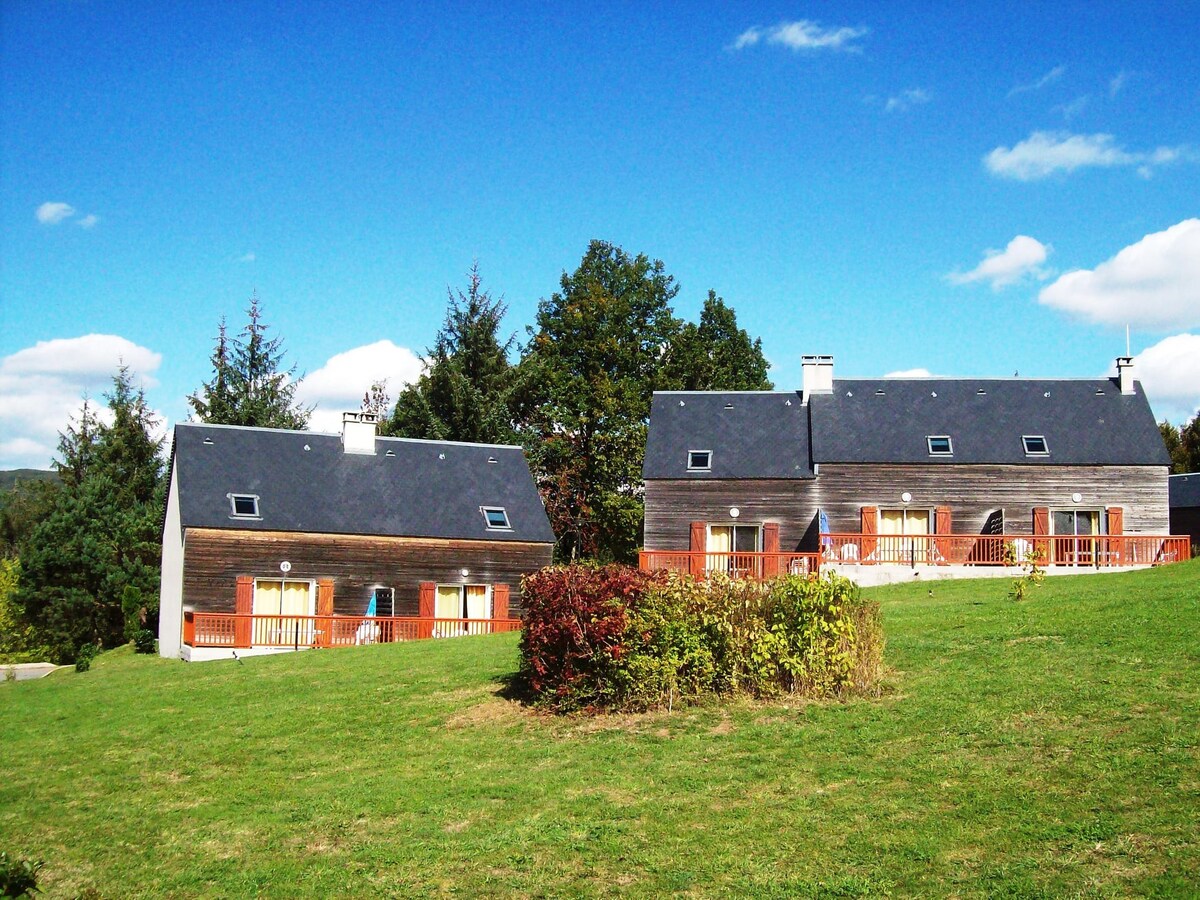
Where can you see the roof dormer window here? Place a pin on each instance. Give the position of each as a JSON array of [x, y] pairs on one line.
[[496, 518], [940, 445], [699, 461], [243, 506], [1035, 445]]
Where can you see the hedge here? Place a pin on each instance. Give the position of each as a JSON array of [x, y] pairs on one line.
[[612, 637]]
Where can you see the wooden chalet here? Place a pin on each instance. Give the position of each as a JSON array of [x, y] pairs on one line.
[[902, 477], [278, 540]]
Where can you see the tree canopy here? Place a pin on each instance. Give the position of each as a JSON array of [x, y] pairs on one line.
[[591, 367], [98, 544], [1183, 444], [250, 384], [717, 355], [466, 390]]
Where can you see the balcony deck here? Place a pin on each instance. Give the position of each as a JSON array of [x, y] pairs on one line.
[[968, 551], [231, 631]]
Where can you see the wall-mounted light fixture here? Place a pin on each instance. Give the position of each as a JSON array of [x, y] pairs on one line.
[[906, 497], [734, 512]]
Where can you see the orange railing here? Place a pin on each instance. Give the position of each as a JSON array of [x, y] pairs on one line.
[[736, 565], [232, 630], [1086, 551]]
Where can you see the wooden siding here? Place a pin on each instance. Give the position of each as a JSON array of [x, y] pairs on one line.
[[971, 493], [213, 559]]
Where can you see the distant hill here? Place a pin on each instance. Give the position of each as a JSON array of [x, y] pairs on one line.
[[9, 477]]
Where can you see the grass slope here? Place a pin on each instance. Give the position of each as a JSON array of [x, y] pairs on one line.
[[1048, 748]]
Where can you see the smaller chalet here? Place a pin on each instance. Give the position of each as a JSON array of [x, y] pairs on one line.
[[279, 539], [885, 475], [1185, 505]]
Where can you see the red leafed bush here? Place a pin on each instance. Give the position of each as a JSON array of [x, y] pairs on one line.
[[576, 619]]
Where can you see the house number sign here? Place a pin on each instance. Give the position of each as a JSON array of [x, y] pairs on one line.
[[285, 567]]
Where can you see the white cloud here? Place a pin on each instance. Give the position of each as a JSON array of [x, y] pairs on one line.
[[88, 221], [339, 385], [910, 373], [1170, 373], [1049, 78], [1074, 108], [1045, 152], [1154, 283], [1023, 256], [53, 213], [246, 258], [802, 35], [42, 387], [1117, 82], [903, 101]]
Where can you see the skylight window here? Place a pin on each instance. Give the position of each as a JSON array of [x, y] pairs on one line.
[[243, 506], [496, 518], [1035, 445], [699, 460], [939, 445]]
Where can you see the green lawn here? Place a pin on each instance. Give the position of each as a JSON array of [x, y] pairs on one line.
[[1047, 748]]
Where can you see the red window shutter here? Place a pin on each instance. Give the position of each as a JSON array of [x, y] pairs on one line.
[[770, 532], [324, 608], [243, 605], [1116, 528], [425, 598], [870, 527], [943, 525], [425, 608], [1041, 526], [325, 597], [500, 601], [696, 544]]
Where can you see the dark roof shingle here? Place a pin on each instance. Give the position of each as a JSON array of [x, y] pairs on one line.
[[751, 434], [887, 420], [305, 482]]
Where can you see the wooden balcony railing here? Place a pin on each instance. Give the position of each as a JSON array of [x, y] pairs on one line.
[[758, 566], [1085, 551], [202, 629]]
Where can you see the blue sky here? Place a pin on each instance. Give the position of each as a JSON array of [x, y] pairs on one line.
[[959, 189]]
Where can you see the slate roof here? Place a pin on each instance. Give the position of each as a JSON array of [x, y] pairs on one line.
[[1084, 422], [1184, 490], [752, 434], [306, 482]]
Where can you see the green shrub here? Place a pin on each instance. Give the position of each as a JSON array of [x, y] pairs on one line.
[[83, 658], [18, 877], [610, 637], [143, 641]]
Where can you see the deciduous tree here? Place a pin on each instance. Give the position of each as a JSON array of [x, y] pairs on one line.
[[590, 369], [717, 355]]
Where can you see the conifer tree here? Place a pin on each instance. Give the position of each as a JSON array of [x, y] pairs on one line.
[[250, 385], [466, 390]]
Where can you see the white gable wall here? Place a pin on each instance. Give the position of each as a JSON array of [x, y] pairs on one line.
[[170, 594]]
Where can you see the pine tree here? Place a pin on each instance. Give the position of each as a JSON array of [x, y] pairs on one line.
[[101, 534], [216, 401], [250, 385], [466, 390]]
